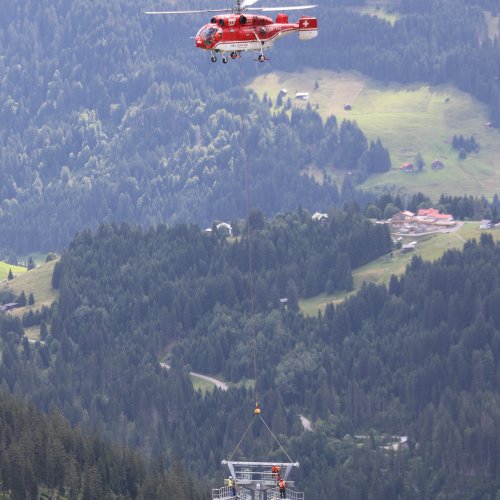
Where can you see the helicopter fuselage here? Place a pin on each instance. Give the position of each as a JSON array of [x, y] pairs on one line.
[[240, 32]]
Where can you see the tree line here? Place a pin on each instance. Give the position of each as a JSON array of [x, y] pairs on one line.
[[41, 455], [418, 358], [126, 294], [102, 124], [89, 115], [432, 41]]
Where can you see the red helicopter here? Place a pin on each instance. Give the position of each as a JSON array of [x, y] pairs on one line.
[[238, 32]]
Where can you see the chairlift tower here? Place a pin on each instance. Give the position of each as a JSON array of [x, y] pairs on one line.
[[256, 481]]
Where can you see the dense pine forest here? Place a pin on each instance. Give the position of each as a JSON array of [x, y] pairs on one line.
[[119, 144], [91, 90], [419, 358], [102, 123], [43, 457], [433, 41]]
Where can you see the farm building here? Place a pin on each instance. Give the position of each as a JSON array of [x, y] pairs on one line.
[[225, 228], [8, 307], [407, 167], [427, 219], [347, 107], [432, 217], [433, 213], [486, 224], [302, 96], [409, 247], [401, 218], [437, 165], [319, 217]]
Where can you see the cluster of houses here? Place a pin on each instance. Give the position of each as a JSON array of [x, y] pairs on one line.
[[425, 220], [225, 229], [301, 96], [410, 167]]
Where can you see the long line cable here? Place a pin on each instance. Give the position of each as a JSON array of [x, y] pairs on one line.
[[250, 279], [270, 432], [249, 232], [275, 438], [242, 438]]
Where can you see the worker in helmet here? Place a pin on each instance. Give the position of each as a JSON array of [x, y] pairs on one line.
[[231, 486], [282, 487]]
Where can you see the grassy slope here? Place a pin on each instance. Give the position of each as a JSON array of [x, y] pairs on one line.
[[200, 384], [380, 270], [5, 268], [39, 282], [205, 385], [409, 119]]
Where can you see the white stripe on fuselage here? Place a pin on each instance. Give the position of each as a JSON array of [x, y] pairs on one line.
[[253, 44]]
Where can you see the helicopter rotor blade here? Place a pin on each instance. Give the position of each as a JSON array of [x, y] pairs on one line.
[[162, 12], [247, 3], [276, 9]]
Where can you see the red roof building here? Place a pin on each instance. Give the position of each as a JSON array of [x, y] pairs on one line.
[[433, 213], [407, 167]]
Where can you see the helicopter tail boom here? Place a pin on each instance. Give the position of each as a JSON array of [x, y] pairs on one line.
[[308, 28]]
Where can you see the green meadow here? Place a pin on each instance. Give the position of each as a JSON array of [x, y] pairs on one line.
[[200, 384], [409, 119], [37, 281], [429, 247], [5, 268]]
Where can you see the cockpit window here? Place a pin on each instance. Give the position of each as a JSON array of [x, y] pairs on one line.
[[211, 35], [209, 32]]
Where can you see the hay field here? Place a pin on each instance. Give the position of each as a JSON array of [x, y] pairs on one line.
[[429, 247], [409, 119], [37, 281]]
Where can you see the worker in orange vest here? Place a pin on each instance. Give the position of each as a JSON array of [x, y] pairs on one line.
[[276, 471], [282, 487]]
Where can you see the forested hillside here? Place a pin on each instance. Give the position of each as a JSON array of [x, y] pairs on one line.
[[433, 41], [111, 115], [126, 295], [42, 457], [419, 359], [108, 115]]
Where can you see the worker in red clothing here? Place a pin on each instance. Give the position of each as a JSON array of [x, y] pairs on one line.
[[282, 487], [276, 471]]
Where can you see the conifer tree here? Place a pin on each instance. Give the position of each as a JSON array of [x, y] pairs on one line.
[[43, 330]]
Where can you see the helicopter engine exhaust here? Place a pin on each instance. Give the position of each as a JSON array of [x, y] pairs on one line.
[[282, 19]]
